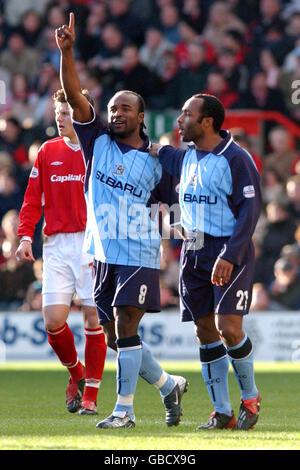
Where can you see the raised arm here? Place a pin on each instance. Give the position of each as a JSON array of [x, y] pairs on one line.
[[65, 38]]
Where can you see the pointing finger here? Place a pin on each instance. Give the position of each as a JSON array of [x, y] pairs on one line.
[[72, 22]]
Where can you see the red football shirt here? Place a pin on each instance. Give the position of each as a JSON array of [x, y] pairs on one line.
[[56, 185]]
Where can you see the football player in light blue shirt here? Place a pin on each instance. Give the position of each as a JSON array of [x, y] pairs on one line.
[[120, 177], [220, 202]]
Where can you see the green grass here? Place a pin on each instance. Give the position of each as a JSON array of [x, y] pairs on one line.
[[33, 415]]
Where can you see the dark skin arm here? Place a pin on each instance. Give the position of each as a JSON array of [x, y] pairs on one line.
[[65, 38]]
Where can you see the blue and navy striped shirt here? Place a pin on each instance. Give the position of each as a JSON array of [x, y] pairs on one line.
[[219, 192], [119, 182]]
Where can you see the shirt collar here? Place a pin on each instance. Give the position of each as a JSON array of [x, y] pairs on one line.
[[220, 148]]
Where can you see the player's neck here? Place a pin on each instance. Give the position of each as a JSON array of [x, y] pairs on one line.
[[72, 139], [208, 142], [134, 141]]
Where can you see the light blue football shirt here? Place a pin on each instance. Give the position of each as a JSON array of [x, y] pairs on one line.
[[119, 181]]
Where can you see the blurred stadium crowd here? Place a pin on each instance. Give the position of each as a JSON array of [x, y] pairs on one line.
[[246, 52]]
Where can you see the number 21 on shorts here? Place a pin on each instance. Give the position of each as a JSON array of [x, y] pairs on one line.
[[142, 295], [243, 299]]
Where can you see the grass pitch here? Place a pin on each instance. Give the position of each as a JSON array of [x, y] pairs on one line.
[[33, 414]]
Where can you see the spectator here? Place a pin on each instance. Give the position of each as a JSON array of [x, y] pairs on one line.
[[6, 161], [153, 50], [87, 43], [130, 25], [235, 41], [11, 196], [280, 230], [293, 25], [13, 141], [33, 297], [50, 52], [237, 76], [20, 58], [23, 101], [269, 15], [271, 68], [187, 81], [220, 19], [219, 87], [261, 300], [169, 22], [109, 54], [135, 76], [14, 9], [282, 155], [189, 35], [194, 14], [31, 27], [272, 186], [260, 97], [292, 254], [15, 278], [285, 289], [240, 136], [293, 194]]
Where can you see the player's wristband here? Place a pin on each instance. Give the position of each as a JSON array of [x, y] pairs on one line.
[[26, 239]]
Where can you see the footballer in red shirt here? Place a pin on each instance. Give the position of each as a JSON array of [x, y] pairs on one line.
[[56, 188]]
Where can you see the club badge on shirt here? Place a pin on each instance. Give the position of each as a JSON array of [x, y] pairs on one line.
[[119, 169]]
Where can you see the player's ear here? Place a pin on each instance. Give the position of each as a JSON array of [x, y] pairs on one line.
[[208, 122], [141, 117]]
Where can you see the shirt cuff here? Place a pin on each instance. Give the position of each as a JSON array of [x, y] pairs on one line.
[[26, 239]]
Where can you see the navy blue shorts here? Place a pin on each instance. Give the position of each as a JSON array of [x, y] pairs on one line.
[[131, 286], [198, 296]]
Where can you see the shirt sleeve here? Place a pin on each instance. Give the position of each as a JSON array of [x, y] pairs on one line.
[[245, 203], [32, 207], [171, 159], [87, 132]]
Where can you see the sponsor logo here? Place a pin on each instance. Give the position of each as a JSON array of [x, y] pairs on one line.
[[248, 191], [64, 178], [119, 169], [56, 163], [114, 183], [34, 172], [200, 199]]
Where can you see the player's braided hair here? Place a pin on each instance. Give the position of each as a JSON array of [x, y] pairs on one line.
[[60, 97]]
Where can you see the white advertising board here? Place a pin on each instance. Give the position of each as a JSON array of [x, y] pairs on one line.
[[275, 336]]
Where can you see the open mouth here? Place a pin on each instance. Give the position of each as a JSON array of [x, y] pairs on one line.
[[119, 123]]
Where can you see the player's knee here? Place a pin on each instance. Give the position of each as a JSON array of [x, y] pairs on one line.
[[127, 321], [229, 333], [90, 317], [53, 324]]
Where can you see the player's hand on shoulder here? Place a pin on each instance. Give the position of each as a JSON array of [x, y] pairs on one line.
[[153, 149], [221, 272], [24, 252], [65, 35]]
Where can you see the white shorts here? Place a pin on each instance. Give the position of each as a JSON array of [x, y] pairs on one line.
[[67, 270]]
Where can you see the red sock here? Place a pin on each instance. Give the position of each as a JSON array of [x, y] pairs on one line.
[[95, 353], [62, 342]]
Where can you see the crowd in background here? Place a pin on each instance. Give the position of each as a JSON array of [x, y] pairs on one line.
[[245, 52]]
